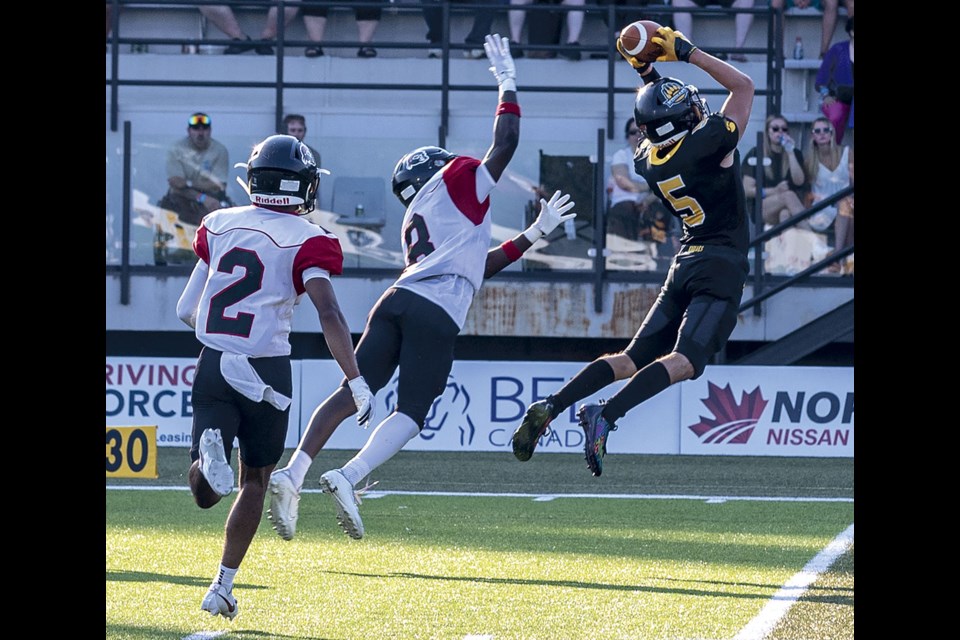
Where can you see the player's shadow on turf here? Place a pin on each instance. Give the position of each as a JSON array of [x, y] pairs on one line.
[[593, 585], [146, 576]]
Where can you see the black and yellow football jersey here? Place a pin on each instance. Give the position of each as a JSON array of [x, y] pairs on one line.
[[688, 178]]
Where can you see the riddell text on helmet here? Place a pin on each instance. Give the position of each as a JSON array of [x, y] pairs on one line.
[[277, 200]]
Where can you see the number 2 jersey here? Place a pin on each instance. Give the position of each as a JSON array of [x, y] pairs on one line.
[[258, 261], [446, 237], [688, 178]]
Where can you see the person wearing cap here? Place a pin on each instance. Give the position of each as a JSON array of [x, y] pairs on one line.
[[197, 167]]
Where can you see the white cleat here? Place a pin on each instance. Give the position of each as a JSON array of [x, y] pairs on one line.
[[213, 462], [220, 602], [284, 504], [336, 484]]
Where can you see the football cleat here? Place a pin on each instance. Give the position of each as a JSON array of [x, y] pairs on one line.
[[220, 602], [337, 485], [213, 462], [284, 504], [534, 424], [595, 430]]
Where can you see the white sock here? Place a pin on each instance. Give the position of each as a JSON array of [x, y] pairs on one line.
[[225, 577], [386, 440], [298, 466]]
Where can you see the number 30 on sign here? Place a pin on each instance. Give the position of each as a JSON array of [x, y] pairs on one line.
[[132, 452]]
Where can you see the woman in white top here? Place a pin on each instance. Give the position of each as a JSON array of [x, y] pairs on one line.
[[827, 170]]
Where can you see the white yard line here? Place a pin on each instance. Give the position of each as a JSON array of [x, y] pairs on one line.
[[204, 635], [543, 497], [788, 594]]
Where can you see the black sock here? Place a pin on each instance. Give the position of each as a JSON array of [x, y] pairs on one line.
[[589, 380], [644, 384]]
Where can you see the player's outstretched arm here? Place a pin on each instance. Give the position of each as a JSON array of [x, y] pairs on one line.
[[737, 106], [506, 126], [552, 215]]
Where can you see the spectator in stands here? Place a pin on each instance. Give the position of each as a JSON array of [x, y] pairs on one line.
[[197, 167], [635, 212], [783, 178], [270, 27], [844, 224], [629, 191], [632, 10], [827, 171], [742, 21], [574, 26], [830, 9], [315, 22], [295, 125], [482, 21], [835, 83], [223, 18]]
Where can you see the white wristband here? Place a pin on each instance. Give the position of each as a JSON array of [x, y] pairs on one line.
[[533, 234]]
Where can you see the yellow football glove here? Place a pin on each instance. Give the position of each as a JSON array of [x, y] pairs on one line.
[[636, 63], [675, 45]]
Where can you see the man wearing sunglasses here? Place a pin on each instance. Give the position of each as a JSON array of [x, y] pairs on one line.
[[197, 167]]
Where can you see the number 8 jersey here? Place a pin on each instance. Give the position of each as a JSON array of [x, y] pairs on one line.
[[446, 237]]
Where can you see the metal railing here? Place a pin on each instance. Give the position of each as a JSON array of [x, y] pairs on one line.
[[764, 284], [773, 52]]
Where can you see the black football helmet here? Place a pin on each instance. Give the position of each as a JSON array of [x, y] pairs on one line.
[[669, 110], [415, 168], [281, 172]]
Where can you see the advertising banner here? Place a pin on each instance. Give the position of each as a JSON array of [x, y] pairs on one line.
[[772, 411], [156, 391], [484, 402], [768, 411]]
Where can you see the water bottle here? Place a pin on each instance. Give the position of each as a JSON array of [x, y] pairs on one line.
[[189, 48], [358, 212], [798, 49]]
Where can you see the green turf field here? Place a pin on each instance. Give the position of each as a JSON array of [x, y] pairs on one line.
[[577, 557]]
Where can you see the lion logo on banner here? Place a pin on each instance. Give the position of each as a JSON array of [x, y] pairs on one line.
[[449, 410]]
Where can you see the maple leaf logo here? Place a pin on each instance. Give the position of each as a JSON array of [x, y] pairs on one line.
[[733, 423]]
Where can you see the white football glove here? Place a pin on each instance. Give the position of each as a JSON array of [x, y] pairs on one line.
[[364, 400], [551, 216], [503, 67]]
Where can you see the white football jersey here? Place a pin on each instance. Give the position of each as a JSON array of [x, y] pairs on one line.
[[445, 238], [258, 262]]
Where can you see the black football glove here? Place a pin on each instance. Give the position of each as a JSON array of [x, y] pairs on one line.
[[675, 45]]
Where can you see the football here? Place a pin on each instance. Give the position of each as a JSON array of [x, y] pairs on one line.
[[635, 38]]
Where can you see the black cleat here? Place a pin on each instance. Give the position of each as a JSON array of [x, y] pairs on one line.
[[595, 431], [535, 422]]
